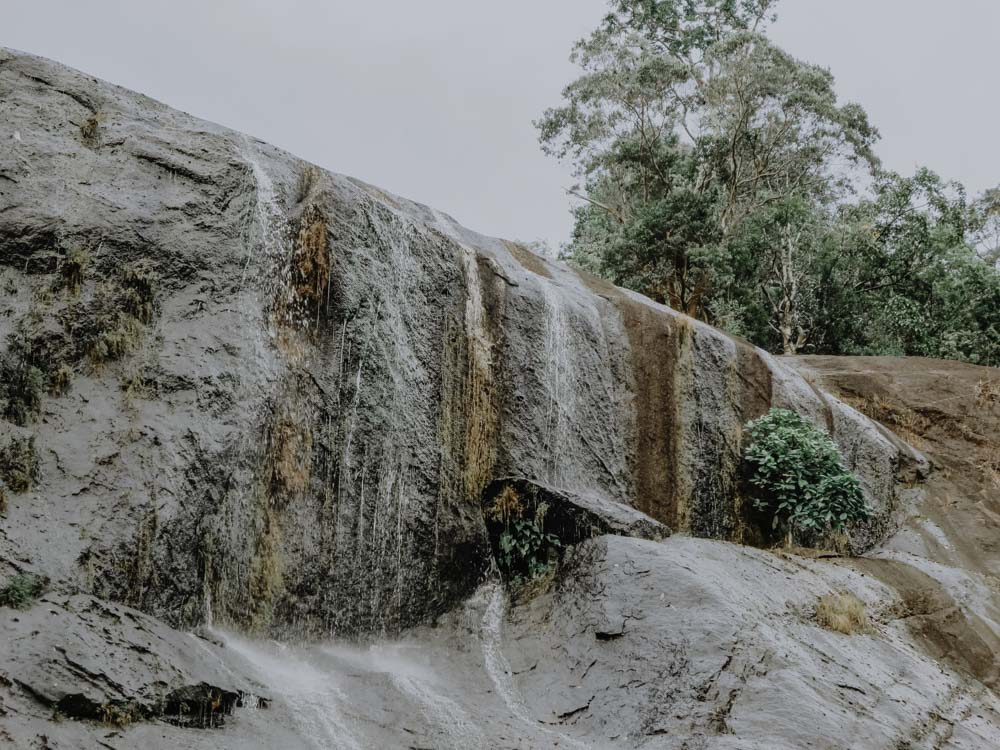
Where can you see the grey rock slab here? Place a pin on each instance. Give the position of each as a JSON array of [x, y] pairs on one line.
[[291, 437], [299, 442]]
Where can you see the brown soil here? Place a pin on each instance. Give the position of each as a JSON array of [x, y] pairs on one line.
[[944, 409], [951, 412], [528, 259]]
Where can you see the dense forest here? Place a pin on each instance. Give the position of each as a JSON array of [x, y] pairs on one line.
[[721, 175]]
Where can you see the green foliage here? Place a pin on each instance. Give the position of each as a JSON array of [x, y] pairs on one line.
[[526, 551], [72, 269], [685, 121], [22, 590], [720, 175], [21, 387], [18, 464], [35, 362], [797, 476]]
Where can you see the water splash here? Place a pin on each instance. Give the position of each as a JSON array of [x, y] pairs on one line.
[[493, 600], [412, 676], [311, 694]]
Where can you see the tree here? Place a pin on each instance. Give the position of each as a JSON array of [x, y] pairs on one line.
[[720, 175], [986, 226], [685, 122], [785, 289]]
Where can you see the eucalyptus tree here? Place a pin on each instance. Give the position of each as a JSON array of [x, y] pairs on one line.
[[685, 122], [986, 232]]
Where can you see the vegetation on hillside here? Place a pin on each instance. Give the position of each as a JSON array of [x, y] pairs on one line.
[[798, 479], [22, 590], [722, 176]]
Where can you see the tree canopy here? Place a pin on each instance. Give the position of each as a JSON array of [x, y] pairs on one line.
[[721, 175]]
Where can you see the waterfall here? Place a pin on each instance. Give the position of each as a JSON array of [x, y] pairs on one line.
[[559, 380], [493, 599], [310, 693], [417, 681], [268, 227], [441, 711], [326, 690]]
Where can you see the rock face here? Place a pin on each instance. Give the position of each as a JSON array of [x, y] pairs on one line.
[[287, 390], [87, 659], [242, 392]]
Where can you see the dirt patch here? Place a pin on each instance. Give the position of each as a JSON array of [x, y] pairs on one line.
[[527, 258], [946, 410], [937, 623]]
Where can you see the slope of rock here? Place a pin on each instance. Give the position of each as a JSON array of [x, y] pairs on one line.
[[242, 392], [285, 390]]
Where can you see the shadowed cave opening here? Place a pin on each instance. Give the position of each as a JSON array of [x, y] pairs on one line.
[[530, 525]]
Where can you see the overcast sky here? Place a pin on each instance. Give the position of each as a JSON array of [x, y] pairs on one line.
[[433, 99]]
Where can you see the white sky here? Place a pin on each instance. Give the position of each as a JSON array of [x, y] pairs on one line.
[[434, 99]]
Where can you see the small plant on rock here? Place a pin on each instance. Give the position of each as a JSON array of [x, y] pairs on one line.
[[797, 477], [525, 550], [90, 130], [72, 268], [138, 283], [843, 613], [987, 392], [112, 324], [19, 464], [21, 388], [22, 590], [59, 381]]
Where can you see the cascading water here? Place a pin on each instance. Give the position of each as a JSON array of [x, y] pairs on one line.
[[334, 696], [410, 673], [561, 389], [491, 633], [320, 686], [492, 599], [312, 695], [266, 235]]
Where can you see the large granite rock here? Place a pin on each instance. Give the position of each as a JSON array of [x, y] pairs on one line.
[[267, 401], [287, 390]]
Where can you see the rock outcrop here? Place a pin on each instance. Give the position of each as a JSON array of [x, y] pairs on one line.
[[286, 390], [250, 394]]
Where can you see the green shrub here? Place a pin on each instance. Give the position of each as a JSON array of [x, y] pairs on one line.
[[797, 476], [59, 381], [525, 550], [523, 545], [22, 590], [19, 464], [21, 388], [72, 268]]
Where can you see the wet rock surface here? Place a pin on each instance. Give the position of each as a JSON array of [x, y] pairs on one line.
[[261, 400], [75, 658]]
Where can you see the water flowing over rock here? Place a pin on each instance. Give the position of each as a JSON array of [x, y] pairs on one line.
[[275, 400]]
